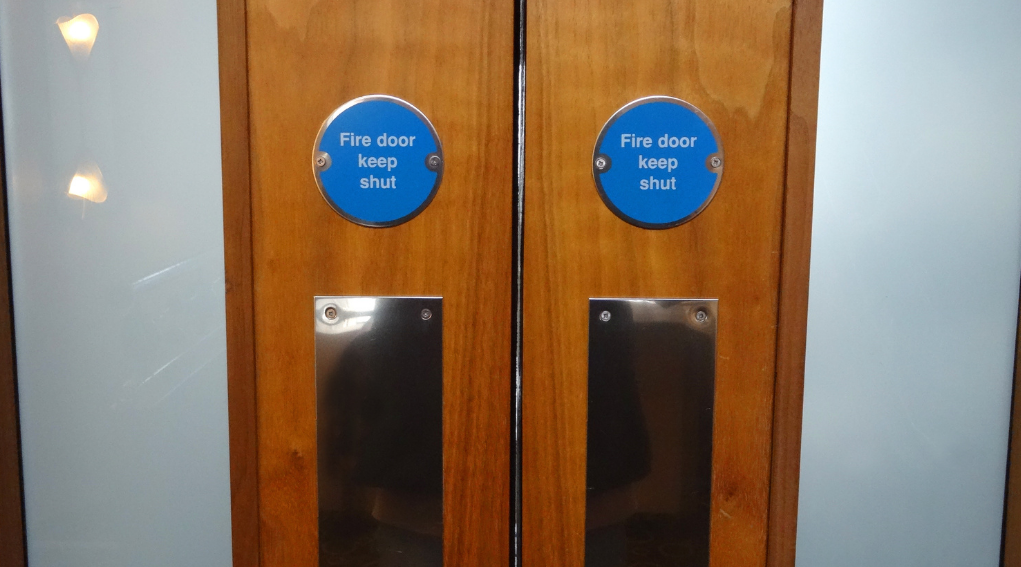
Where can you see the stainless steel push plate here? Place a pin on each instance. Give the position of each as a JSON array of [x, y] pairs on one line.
[[379, 386], [651, 381]]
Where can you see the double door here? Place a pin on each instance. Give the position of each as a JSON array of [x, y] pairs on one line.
[[557, 441]]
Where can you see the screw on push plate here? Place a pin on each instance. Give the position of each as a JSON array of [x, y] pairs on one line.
[[426, 314], [701, 316], [433, 162], [322, 161], [715, 161], [602, 163], [330, 313], [604, 316]]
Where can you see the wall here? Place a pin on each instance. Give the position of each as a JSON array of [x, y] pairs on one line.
[[914, 284], [119, 303]]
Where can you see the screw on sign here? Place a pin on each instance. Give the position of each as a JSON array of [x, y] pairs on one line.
[[604, 316], [426, 314]]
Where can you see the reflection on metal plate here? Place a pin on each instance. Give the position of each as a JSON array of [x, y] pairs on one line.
[[379, 384], [651, 378]]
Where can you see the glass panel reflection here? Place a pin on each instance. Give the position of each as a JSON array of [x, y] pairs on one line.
[[379, 379], [650, 420], [111, 143], [87, 183], [79, 33]]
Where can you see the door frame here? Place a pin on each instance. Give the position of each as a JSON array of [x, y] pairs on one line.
[[13, 542], [796, 244], [793, 291], [1010, 543], [789, 385], [238, 279]]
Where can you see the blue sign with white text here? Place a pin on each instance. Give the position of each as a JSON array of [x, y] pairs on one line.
[[378, 161], [657, 162]]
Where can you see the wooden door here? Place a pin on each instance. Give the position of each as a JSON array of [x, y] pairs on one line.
[[286, 64], [454, 60], [733, 60]]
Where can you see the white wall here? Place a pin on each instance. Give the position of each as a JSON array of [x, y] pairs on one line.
[[119, 305], [916, 260]]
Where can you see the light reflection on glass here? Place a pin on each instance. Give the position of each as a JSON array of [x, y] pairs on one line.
[[139, 473], [87, 184], [79, 33]]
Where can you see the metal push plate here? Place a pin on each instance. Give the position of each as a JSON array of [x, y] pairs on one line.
[[379, 400], [651, 382]]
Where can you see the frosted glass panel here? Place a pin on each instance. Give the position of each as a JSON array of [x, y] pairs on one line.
[[111, 124], [914, 284]]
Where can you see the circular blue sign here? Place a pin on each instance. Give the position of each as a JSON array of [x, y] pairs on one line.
[[378, 161], [657, 162]]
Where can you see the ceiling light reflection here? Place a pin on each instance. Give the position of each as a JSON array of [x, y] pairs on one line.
[[79, 33], [358, 304], [87, 184]]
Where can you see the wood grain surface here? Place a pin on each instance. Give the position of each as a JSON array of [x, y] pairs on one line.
[[12, 521], [1011, 545], [237, 255], [454, 61], [806, 40], [586, 59]]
